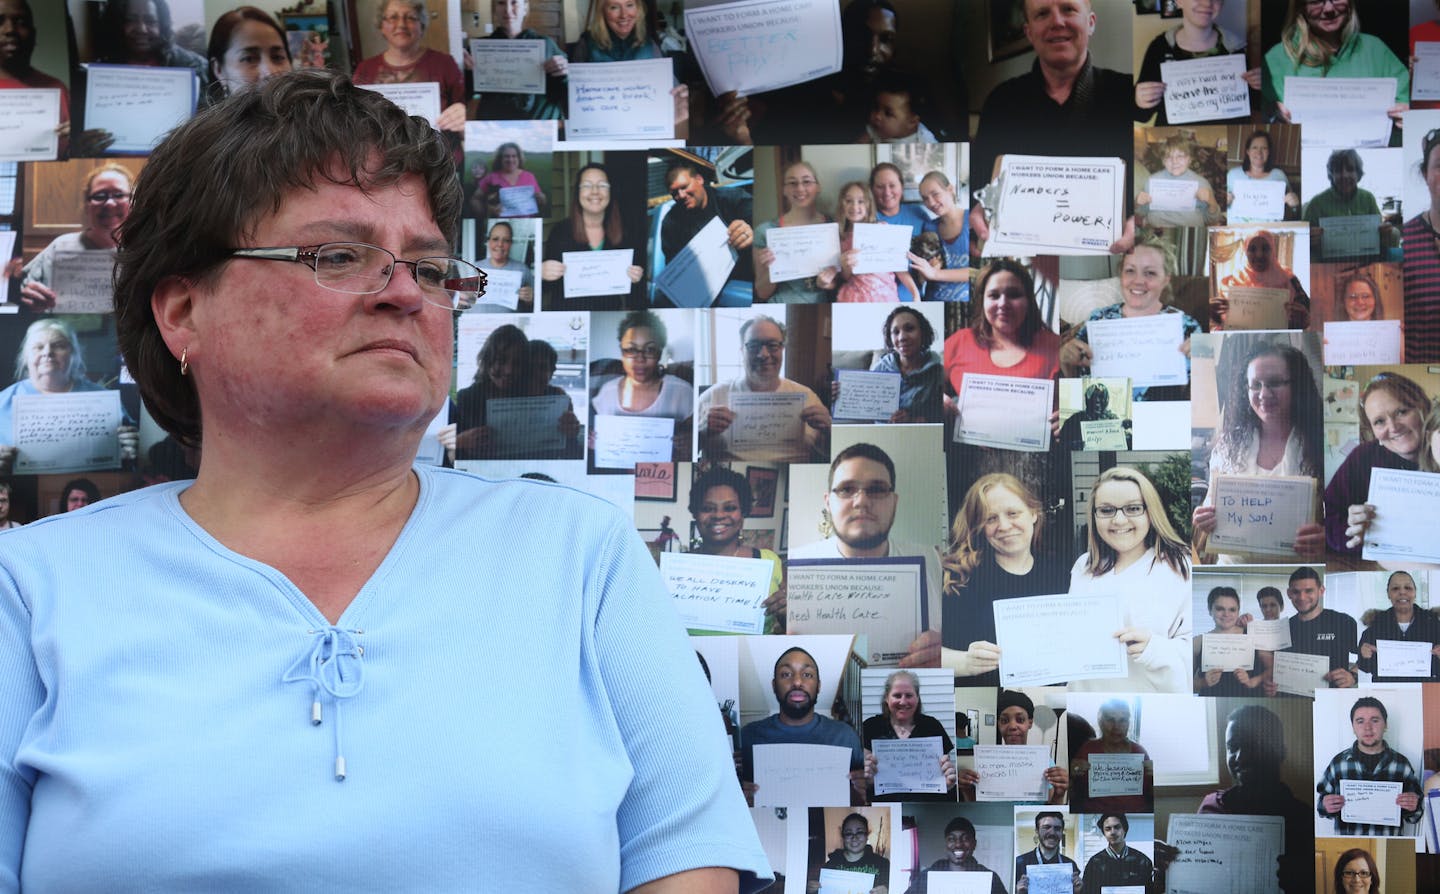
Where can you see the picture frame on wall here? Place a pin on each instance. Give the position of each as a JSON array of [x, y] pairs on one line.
[[763, 483], [1005, 29]]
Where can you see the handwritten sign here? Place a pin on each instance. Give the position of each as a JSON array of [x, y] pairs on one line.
[[1270, 636], [1224, 853], [518, 201], [1206, 89], [622, 441], [1086, 624], [884, 598], [1425, 83], [1402, 658], [621, 100], [28, 119], [1068, 206], [867, 396], [1362, 342], [655, 481], [1051, 878], [698, 272], [1252, 307], [802, 251], [502, 287], [953, 882], [1005, 411], [718, 592], [418, 98], [751, 46], [1226, 652], [1260, 514], [138, 104], [1103, 434], [767, 420], [1256, 201], [1350, 236], [589, 273], [793, 775], [846, 881], [1168, 194], [1011, 772], [1299, 674], [526, 426], [882, 247], [1146, 349], [74, 432], [1340, 112], [908, 765], [508, 66], [1407, 515], [82, 281], [1370, 801], [1116, 775]]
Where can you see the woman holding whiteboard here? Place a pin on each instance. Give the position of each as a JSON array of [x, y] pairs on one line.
[[799, 190], [1135, 552], [1270, 427], [616, 32], [1008, 337], [1224, 606], [1196, 37], [1256, 164], [645, 389], [497, 258], [720, 500], [856, 207], [1262, 270], [107, 204], [406, 60], [594, 224], [1403, 621], [1323, 40], [507, 170], [902, 717]]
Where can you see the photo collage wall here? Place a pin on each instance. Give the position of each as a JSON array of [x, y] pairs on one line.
[[1032, 406]]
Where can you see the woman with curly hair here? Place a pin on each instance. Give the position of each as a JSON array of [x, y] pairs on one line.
[[993, 555], [720, 499], [1271, 427]]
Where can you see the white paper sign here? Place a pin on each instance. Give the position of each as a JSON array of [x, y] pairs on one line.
[[718, 592], [908, 765], [1144, 349], [1225, 853], [845, 881], [884, 598], [502, 287], [1407, 515], [1050, 878], [28, 119], [1351, 236], [882, 247], [508, 66], [1372, 802], [1260, 514], [74, 432], [767, 420], [1256, 201], [1425, 83], [1340, 113], [802, 251], [1226, 652], [1011, 772], [751, 46], [1206, 89], [621, 100], [1362, 342], [82, 281], [518, 201], [1402, 658], [1103, 434], [1005, 411], [1122, 889], [1269, 636], [867, 396], [801, 775], [1116, 775], [1300, 674], [590, 273], [1172, 195], [138, 104], [418, 98], [526, 426], [698, 272], [1026, 628], [622, 441], [951, 882], [1068, 206], [1252, 307]]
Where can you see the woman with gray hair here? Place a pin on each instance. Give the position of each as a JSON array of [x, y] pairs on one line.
[[49, 362], [901, 717], [406, 59]]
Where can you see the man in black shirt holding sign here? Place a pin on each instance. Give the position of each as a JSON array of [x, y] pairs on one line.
[[1315, 630]]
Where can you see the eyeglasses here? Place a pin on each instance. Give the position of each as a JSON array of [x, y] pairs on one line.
[[1130, 510], [396, 19], [100, 198], [360, 269], [871, 491], [1274, 385], [771, 347], [649, 352], [1361, 874], [595, 186]]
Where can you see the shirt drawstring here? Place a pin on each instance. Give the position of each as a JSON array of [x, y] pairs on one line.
[[333, 666]]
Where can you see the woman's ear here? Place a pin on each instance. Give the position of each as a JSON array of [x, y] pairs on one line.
[[173, 305]]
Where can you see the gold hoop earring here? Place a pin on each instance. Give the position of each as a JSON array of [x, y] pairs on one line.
[[184, 363]]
